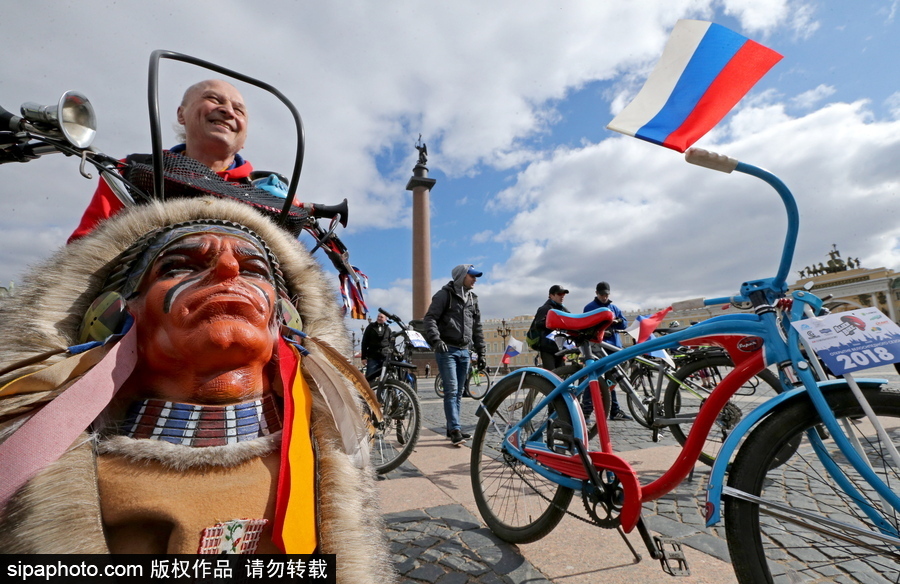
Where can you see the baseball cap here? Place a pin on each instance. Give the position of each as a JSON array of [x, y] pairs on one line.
[[602, 288], [473, 272], [557, 289]]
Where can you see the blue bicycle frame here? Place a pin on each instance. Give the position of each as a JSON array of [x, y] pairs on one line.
[[761, 331]]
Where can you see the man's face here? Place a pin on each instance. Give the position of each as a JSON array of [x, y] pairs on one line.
[[214, 118], [558, 297], [603, 296], [381, 319], [207, 299], [469, 281]]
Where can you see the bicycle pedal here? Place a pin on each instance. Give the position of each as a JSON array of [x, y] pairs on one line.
[[672, 557]]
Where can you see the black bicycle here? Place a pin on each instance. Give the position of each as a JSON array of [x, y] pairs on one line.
[[397, 434], [478, 382]]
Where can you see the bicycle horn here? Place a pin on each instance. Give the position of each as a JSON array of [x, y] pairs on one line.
[[73, 116]]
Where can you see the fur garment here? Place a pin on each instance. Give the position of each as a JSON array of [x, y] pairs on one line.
[[58, 511]]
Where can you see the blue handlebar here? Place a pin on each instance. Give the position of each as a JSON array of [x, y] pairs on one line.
[[779, 283]]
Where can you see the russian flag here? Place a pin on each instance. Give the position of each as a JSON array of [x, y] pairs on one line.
[[513, 348], [704, 71]]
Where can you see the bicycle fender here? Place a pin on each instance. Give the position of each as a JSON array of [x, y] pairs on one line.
[[572, 404], [723, 458]]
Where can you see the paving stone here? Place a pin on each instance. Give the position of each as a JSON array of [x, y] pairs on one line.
[[708, 544], [669, 527], [401, 517], [453, 578], [427, 572]]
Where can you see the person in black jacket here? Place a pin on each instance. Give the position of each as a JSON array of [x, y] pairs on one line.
[[547, 347], [452, 323], [376, 344]]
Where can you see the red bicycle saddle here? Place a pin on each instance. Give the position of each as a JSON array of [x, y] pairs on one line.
[[565, 321]]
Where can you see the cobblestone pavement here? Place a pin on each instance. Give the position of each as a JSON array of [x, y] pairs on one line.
[[447, 544]]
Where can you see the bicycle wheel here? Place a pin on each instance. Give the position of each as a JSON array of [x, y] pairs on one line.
[[479, 383], [564, 372], [643, 381], [516, 503], [397, 436], [692, 385], [769, 544], [438, 385]]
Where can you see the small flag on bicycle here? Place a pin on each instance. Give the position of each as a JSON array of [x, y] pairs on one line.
[[513, 348], [650, 323], [705, 69]]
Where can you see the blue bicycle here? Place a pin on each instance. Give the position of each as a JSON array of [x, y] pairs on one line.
[[812, 491]]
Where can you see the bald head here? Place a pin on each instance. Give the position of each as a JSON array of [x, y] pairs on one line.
[[214, 117]]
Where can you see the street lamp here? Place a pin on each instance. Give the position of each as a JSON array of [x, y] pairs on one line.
[[504, 331]]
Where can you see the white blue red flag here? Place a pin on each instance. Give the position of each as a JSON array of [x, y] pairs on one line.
[[513, 348], [704, 71]]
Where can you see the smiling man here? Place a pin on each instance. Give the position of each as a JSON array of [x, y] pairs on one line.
[[214, 118]]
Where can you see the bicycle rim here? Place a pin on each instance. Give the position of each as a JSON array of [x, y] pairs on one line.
[[439, 385], [517, 504], [794, 542], [692, 385], [643, 381], [395, 440], [479, 383]]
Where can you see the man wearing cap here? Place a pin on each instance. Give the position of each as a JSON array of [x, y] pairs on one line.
[[547, 347], [452, 323], [601, 300]]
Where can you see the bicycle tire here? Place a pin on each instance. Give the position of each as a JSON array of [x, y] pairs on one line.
[[643, 381], [439, 385], [765, 548], [397, 436], [564, 372], [477, 387], [516, 503], [695, 381]]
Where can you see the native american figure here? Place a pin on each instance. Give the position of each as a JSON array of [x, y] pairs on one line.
[[206, 413]]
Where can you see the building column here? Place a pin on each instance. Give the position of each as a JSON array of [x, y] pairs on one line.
[[420, 185]]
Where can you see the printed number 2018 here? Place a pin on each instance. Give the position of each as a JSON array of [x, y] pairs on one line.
[[865, 357]]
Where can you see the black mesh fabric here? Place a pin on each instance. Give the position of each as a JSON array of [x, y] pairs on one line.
[[186, 178]]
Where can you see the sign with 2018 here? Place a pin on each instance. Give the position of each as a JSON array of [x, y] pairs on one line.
[[854, 340]]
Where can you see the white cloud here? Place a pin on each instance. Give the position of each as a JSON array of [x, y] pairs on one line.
[[812, 97], [893, 104], [637, 216], [480, 82]]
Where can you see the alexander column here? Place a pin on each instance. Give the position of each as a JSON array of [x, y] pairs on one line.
[[420, 185]]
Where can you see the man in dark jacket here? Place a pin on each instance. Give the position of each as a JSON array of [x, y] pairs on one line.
[[452, 323], [601, 300], [547, 347], [376, 343]]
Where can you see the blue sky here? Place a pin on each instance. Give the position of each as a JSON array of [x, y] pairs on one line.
[[512, 99]]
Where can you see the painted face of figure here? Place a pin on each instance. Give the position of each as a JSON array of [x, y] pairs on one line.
[[206, 305], [214, 118]]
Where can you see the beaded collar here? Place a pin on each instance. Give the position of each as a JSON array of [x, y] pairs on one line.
[[201, 425]]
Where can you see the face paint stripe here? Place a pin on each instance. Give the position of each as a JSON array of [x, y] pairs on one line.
[[265, 295], [175, 290]]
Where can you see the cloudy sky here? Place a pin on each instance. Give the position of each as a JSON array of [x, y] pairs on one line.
[[512, 99]]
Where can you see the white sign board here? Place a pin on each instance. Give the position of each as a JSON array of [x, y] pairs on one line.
[[417, 340], [854, 340]]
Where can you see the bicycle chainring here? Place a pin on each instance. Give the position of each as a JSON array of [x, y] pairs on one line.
[[603, 507]]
